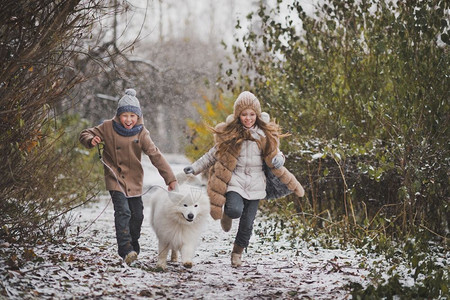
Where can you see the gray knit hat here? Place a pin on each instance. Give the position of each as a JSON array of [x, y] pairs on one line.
[[246, 100], [129, 103]]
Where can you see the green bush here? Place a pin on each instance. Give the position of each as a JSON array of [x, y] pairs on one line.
[[362, 87]]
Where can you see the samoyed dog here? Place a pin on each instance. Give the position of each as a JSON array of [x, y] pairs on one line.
[[178, 219]]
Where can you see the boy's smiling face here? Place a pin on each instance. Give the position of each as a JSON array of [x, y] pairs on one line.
[[128, 119]]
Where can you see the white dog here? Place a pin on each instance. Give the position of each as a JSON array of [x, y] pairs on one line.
[[178, 218]]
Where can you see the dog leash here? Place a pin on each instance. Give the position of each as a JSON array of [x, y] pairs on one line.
[[100, 156]]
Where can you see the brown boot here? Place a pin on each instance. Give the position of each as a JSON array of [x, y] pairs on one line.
[[226, 222], [236, 255], [130, 257]]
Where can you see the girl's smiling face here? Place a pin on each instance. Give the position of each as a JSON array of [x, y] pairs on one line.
[[128, 119], [248, 117]]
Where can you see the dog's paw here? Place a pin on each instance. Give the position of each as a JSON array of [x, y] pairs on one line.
[[174, 256], [188, 264], [161, 267]]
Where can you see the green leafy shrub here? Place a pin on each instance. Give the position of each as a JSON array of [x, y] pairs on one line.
[[363, 88], [373, 106]]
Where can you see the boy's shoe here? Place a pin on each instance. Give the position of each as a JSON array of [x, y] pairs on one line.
[[132, 256]]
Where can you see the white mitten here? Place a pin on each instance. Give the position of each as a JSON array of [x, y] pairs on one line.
[[188, 170], [278, 160]]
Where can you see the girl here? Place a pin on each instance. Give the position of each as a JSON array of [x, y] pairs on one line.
[[246, 149]]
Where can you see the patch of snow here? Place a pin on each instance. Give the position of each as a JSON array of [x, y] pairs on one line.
[[88, 264], [317, 156]]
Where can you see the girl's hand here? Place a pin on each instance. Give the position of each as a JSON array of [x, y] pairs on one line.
[[188, 170], [173, 186], [278, 161], [95, 140]]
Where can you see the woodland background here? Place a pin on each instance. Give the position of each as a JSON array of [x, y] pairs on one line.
[[361, 86]]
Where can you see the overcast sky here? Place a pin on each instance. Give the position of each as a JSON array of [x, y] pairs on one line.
[[209, 20]]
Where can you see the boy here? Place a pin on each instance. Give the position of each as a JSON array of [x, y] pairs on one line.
[[125, 138]]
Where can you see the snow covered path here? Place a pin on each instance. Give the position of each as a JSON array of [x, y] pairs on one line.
[[87, 267]]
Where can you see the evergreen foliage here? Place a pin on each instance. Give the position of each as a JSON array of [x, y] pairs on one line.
[[363, 88]]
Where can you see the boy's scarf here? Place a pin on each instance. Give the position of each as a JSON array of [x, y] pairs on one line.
[[127, 132]]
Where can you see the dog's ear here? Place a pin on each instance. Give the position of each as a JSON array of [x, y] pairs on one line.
[[182, 177], [189, 179], [175, 197]]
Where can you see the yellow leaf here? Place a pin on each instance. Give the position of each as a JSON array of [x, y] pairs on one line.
[[210, 109]]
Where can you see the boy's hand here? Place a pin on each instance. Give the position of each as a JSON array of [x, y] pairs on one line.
[[173, 186], [95, 140]]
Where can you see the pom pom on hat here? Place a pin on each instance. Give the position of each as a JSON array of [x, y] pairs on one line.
[[129, 103], [265, 117], [244, 101], [229, 119], [130, 92]]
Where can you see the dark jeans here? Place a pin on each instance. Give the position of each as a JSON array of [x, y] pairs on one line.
[[238, 207], [128, 217]]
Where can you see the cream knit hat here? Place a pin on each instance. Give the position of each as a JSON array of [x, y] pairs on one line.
[[246, 100]]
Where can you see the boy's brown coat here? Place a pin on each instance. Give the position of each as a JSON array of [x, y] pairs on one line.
[[123, 155]]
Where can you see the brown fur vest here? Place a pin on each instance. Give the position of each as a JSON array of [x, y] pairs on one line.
[[220, 174]]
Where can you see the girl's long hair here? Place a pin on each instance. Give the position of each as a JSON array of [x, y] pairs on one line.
[[234, 133]]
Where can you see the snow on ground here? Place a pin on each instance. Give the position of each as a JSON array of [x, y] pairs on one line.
[[88, 267]]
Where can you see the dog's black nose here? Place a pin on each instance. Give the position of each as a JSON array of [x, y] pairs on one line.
[[191, 216]]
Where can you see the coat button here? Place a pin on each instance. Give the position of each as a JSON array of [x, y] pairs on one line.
[[119, 169], [118, 148]]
